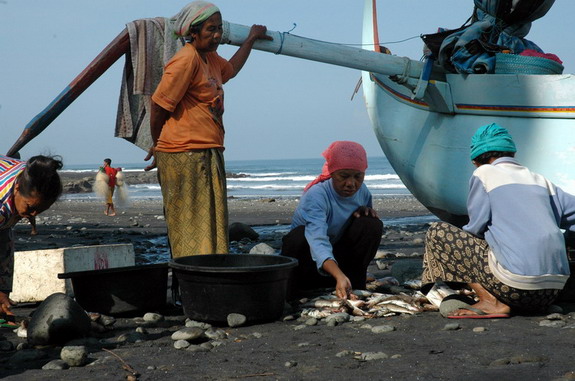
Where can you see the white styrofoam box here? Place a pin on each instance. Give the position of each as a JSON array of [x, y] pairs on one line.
[[36, 271]]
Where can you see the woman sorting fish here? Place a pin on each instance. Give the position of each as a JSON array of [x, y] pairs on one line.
[[26, 190], [512, 252], [188, 132], [335, 233]]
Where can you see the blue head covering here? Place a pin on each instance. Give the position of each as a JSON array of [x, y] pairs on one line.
[[491, 137]]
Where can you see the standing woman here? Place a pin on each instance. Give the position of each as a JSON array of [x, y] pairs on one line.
[[188, 132], [26, 190]]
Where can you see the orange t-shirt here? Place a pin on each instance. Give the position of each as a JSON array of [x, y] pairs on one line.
[[192, 91]]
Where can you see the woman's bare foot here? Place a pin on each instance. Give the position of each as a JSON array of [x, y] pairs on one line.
[[487, 303]]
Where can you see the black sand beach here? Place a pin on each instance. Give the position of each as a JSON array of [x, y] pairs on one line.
[[418, 347]]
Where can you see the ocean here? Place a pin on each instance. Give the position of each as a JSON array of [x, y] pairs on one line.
[[265, 178]]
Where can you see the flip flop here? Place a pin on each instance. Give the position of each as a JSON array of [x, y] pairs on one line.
[[454, 302], [480, 314]]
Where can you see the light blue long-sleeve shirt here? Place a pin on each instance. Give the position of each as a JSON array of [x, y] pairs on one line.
[[325, 215], [520, 214]]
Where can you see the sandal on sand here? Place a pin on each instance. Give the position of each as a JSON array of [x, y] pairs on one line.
[[479, 314], [452, 303]]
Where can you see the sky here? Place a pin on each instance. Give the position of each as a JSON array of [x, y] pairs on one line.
[[277, 107]]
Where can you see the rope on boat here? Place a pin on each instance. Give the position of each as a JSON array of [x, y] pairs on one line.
[[282, 38], [406, 68]]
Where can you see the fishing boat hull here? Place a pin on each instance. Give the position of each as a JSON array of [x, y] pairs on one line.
[[427, 139]]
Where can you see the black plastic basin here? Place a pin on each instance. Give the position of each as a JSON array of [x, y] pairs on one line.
[[121, 290], [215, 285]]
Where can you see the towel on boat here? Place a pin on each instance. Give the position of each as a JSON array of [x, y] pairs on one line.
[[151, 46]]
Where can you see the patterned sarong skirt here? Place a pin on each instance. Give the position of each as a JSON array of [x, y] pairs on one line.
[[195, 201], [453, 255]]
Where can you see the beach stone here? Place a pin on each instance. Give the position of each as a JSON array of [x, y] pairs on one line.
[[131, 337], [181, 344], [555, 316], [299, 327], [56, 365], [74, 355], [552, 323], [383, 329], [188, 333], [57, 320], [407, 269], [344, 353], [451, 327], [236, 320], [263, 248], [153, 317], [371, 356], [197, 348], [216, 334], [198, 324], [479, 329], [290, 364], [338, 318], [311, 321], [238, 230], [519, 359]]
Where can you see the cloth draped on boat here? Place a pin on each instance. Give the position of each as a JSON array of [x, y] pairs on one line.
[[152, 44], [496, 26], [194, 189]]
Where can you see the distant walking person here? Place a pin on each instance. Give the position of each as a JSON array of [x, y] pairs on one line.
[[106, 184]]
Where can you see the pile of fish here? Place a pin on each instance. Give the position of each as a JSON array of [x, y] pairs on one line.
[[367, 304]]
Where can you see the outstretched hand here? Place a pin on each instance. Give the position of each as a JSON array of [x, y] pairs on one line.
[[150, 155], [365, 211], [5, 304]]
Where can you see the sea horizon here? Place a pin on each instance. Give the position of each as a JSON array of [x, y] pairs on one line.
[[264, 178]]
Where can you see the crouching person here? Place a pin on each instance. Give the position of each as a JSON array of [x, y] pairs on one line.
[[335, 232]]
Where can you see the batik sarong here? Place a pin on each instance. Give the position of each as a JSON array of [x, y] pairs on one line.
[[453, 255], [195, 201]]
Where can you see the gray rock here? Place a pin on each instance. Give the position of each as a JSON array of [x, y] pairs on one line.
[[131, 337], [344, 353], [199, 324], [479, 329], [451, 327], [238, 230], [338, 318], [216, 334], [552, 323], [236, 320], [263, 248], [188, 333], [181, 344], [56, 365], [74, 355], [153, 317], [197, 348], [371, 356], [311, 321], [57, 320]]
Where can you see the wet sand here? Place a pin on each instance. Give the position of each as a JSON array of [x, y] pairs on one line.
[[420, 347]]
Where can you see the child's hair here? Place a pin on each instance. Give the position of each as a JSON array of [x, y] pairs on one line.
[[484, 157], [108, 161], [41, 177]]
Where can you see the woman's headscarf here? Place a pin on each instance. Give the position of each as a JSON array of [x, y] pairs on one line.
[[341, 155], [491, 137], [192, 14]]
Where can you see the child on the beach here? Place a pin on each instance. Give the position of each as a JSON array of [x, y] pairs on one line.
[[512, 252], [26, 190], [335, 232]]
